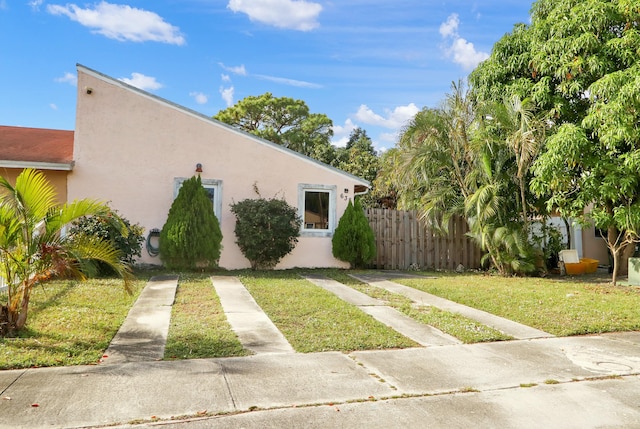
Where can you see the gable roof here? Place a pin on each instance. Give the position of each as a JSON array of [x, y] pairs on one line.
[[362, 186], [40, 148]]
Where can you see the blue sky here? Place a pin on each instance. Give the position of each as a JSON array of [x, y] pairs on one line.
[[367, 63]]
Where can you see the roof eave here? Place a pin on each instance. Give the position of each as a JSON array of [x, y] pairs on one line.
[[58, 166]]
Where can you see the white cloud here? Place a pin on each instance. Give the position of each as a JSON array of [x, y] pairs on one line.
[[449, 28], [461, 51], [392, 119], [199, 97], [465, 54], [290, 14], [242, 71], [69, 78], [53, 106], [146, 83], [287, 81], [239, 70], [122, 22], [341, 133], [227, 95], [35, 4], [391, 138]]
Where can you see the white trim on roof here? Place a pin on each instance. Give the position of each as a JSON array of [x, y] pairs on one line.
[[193, 113], [59, 166]]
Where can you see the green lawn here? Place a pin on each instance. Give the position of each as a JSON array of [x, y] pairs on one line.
[[561, 306], [199, 327], [72, 323], [69, 323], [314, 320], [466, 330]]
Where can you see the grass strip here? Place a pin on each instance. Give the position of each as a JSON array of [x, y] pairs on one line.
[[315, 320], [199, 327], [69, 323], [466, 330], [561, 306]]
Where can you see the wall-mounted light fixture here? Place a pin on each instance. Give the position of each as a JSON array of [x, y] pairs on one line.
[[198, 168], [88, 90], [346, 190]]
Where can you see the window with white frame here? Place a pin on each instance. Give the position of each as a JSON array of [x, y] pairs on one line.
[[317, 208], [213, 188]]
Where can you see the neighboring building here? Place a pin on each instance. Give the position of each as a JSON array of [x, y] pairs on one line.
[[50, 151]]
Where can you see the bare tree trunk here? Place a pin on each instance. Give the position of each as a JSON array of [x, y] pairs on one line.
[[612, 243], [566, 224], [4, 321]]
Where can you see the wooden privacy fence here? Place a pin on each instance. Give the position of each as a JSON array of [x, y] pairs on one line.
[[404, 242]]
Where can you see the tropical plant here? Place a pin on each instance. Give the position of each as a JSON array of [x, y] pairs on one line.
[[353, 240], [33, 248], [127, 238], [578, 62], [266, 230], [463, 160], [191, 238]]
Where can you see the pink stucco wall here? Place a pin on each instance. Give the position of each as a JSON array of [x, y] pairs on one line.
[[130, 146]]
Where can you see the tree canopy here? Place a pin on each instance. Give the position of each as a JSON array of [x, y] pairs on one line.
[[579, 62], [284, 121]]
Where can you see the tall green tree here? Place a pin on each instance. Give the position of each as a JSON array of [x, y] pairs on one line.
[[191, 238], [33, 248], [578, 61], [358, 157], [284, 121]]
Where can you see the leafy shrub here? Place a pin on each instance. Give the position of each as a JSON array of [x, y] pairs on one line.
[[126, 238], [266, 230], [354, 241], [191, 238]]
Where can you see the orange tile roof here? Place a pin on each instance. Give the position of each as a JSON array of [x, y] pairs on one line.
[[35, 145]]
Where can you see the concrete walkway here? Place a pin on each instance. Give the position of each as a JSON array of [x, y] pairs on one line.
[[422, 334], [143, 335], [506, 326], [563, 383], [255, 330]]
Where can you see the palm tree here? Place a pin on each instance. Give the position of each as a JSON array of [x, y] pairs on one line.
[[437, 159], [33, 247], [523, 133]]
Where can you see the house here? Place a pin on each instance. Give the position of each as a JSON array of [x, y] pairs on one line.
[[50, 151], [134, 150]]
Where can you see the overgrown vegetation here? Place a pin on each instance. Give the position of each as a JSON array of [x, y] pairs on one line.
[[191, 238], [266, 230]]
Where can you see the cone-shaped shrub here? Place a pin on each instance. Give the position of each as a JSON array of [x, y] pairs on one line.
[[353, 241], [191, 237], [266, 230]]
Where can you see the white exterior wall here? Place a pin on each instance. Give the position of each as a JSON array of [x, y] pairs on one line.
[[129, 146]]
